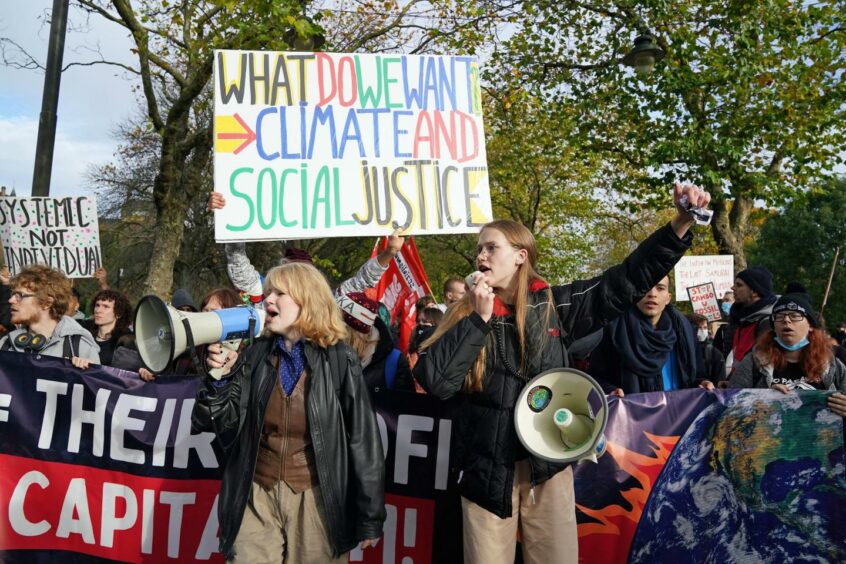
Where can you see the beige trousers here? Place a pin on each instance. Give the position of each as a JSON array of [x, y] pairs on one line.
[[548, 526], [280, 526]]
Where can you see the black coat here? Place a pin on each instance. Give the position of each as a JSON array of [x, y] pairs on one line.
[[342, 425], [485, 439]]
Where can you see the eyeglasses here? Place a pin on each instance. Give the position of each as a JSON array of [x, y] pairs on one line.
[[793, 316], [490, 248], [19, 296]]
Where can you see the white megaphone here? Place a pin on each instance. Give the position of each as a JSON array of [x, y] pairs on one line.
[[561, 416], [162, 332]]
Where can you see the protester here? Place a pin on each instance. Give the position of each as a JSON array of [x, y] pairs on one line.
[[454, 290], [713, 362], [220, 298], [651, 347], [384, 365], [304, 475], [39, 300], [110, 324], [510, 327], [183, 301], [725, 306], [750, 314], [427, 320], [794, 355]]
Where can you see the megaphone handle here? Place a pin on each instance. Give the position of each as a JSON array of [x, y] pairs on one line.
[[233, 345]]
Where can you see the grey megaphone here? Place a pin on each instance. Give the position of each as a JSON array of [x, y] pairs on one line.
[[561, 416], [162, 331]]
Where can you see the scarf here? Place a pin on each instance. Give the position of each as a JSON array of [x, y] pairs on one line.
[[739, 313], [291, 364], [643, 350]]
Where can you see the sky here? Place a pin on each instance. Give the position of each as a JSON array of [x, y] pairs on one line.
[[93, 100]]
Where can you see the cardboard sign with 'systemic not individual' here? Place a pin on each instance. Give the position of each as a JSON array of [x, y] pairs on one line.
[[62, 233], [330, 145]]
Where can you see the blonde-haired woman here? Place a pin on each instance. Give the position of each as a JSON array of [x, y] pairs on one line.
[[510, 327], [304, 473]]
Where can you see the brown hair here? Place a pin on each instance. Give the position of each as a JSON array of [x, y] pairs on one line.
[[50, 286], [519, 237], [320, 318], [815, 358], [226, 297], [123, 309]]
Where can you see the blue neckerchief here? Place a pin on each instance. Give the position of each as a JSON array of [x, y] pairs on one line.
[[291, 364], [800, 345]]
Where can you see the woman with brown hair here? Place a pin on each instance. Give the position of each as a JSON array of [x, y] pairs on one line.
[[511, 326], [304, 474], [794, 355]]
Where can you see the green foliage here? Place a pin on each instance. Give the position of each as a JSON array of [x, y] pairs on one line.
[[800, 243], [749, 101]]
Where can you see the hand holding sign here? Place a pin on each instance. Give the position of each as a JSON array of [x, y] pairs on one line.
[[687, 197]]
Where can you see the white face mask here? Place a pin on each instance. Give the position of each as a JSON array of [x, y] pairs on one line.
[[702, 335]]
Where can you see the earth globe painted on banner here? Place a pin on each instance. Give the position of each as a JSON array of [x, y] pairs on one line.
[[759, 479]]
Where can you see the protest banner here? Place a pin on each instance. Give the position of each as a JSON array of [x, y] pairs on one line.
[[99, 464], [696, 270], [61, 233], [333, 145], [703, 300]]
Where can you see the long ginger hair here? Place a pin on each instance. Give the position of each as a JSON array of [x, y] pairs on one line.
[[519, 237], [815, 358]]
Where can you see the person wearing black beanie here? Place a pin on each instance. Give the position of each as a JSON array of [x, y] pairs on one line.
[[749, 316], [794, 355]]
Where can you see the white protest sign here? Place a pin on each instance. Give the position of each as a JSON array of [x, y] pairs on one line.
[[332, 145], [61, 233], [697, 270], [703, 299]]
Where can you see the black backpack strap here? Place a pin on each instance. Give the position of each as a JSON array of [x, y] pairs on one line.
[[70, 346], [7, 344]]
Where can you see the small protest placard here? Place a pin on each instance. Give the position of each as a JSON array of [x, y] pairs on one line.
[[335, 145], [703, 298], [695, 270], [61, 233]]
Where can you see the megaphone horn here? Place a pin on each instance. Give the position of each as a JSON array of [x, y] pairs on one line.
[[561, 416], [162, 332]]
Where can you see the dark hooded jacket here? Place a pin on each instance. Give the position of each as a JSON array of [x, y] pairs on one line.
[[485, 440], [344, 435]]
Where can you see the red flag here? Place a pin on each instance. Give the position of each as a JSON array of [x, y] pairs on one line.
[[401, 286]]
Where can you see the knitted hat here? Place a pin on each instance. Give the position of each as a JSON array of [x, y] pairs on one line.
[[181, 298], [359, 311], [293, 254], [759, 279], [797, 302]]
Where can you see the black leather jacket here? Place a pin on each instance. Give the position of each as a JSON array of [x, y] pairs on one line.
[[485, 440], [342, 424]]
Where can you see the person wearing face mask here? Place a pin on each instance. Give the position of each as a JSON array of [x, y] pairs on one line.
[[794, 355], [511, 326], [650, 348], [725, 306], [713, 361]]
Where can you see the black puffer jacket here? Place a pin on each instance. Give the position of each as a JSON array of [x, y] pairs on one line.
[[341, 421], [485, 438]]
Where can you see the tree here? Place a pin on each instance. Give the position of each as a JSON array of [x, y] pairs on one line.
[[749, 102], [800, 243]]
